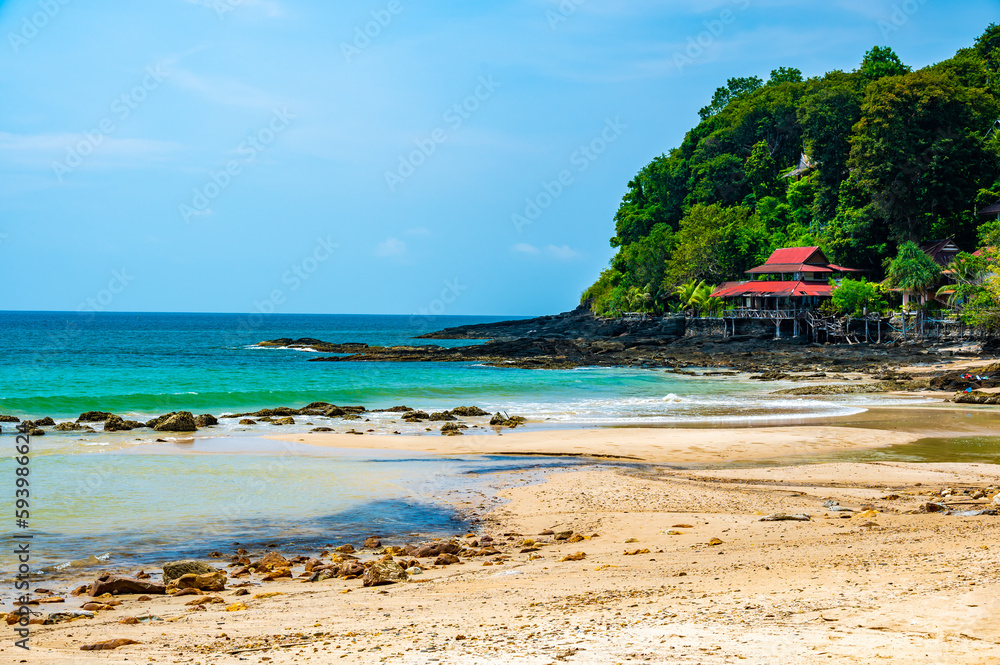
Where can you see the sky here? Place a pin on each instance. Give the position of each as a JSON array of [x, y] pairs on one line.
[[375, 157]]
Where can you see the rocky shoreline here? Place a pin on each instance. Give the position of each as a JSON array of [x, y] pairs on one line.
[[580, 339]]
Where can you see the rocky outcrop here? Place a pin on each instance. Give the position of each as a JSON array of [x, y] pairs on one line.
[[176, 569], [9, 419], [72, 427], [977, 397], [205, 582], [94, 417], [119, 424], [206, 420], [469, 411], [114, 584], [178, 421]]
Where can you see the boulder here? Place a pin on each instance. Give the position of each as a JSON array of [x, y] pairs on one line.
[[321, 429], [372, 543], [206, 420], [436, 548], [207, 582], [94, 417], [274, 560], [176, 569], [451, 429], [288, 420], [384, 572], [415, 416], [119, 424], [9, 419], [442, 415], [36, 431], [179, 421], [248, 421], [467, 411], [72, 427], [445, 559], [114, 584], [351, 569]]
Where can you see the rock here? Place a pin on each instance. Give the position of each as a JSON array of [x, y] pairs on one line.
[[206, 582], [547, 532], [996, 500], [578, 556], [206, 600], [635, 552], [71, 427], [321, 429], [206, 420], [414, 570], [346, 549], [248, 421], [384, 572], [575, 538], [108, 583], [116, 424], [109, 645], [284, 421], [451, 429], [178, 421], [436, 548], [565, 535], [500, 420], [9, 419], [94, 417], [35, 431], [188, 592], [715, 541], [274, 560], [441, 415], [64, 617], [372, 543], [277, 574], [782, 517], [44, 422], [177, 569], [96, 607], [415, 416], [445, 559], [350, 569], [236, 607], [469, 411]]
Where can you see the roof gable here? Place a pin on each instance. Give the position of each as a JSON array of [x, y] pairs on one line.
[[788, 255]]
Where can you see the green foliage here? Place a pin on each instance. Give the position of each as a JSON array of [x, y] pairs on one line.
[[912, 271], [734, 89], [895, 157], [880, 62], [785, 75], [856, 297]]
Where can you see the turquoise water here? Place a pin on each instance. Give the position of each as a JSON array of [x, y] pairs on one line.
[[124, 500]]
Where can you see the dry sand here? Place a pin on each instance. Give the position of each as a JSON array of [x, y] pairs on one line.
[[879, 587]]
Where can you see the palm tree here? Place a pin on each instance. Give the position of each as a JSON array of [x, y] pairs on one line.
[[912, 271]]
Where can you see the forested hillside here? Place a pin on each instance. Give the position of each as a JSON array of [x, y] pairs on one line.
[[891, 155]]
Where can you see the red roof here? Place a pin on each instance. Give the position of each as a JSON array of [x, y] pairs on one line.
[[799, 255], [771, 268], [773, 289]]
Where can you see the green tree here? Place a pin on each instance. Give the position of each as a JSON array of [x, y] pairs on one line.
[[855, 297], [715, 244], [880, 62], [734, 89], [912, 271], [785, 75], [761, 171]]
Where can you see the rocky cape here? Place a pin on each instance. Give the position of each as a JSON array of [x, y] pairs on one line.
[[580, 339]]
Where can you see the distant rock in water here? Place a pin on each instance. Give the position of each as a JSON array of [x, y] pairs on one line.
[[206, 420], [94, 417]]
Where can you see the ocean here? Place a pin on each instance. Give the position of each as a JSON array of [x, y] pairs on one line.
[[119, 500]]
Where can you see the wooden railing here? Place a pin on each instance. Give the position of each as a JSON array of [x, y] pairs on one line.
[[765, 314]]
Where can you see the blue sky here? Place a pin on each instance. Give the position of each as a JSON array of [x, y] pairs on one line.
[[370, 157]]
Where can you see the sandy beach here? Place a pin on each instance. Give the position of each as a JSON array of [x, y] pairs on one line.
[[664, 565]]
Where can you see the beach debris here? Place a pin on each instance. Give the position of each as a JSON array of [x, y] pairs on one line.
[[671, 532], [206, 420], [63, 617], [563, 535], [715, 541], [577, 556], [973, 513], [113, 584], [240, 592], [129, 621], [635, 552], [188, 592], [384, 572], [207, 600], [109, 645], [206, 582], [680, 526], [783, 517], [931, 507], [576, 538], [175, 569], [236, 607], [415, 570], [547, 532], [865, 514]]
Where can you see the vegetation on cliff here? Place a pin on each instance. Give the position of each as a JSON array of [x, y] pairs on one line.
[[882, 156]]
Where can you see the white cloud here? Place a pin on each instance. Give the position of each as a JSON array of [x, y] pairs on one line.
[[563, 253], [390, 247], [525, 248]]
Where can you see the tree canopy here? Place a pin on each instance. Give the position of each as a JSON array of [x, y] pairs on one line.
[[884, 156]]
